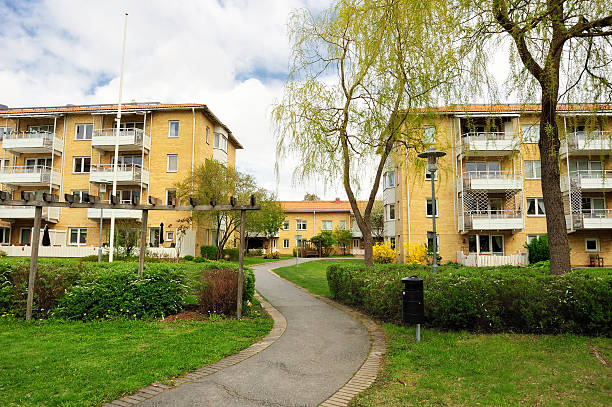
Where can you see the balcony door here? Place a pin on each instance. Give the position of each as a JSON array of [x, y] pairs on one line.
[[126, 161], [45, 128], [37, 164], [478, 169], [585, 168], [594, 207]]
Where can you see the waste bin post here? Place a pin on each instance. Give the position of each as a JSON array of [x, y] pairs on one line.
[[413, 304]]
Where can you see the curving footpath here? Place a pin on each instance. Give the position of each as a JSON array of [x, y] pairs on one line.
[[311, 361]]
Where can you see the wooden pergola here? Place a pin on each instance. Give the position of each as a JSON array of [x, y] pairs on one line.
[[91, 201]]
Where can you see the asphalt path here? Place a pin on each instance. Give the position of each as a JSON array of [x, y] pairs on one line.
[[319, 352]]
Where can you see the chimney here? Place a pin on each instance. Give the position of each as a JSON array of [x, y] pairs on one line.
[[337, 200]]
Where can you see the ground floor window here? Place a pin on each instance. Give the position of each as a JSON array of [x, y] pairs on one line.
[[392, 242], [170, 236], [5, 235], [531, 237], [274, 243], [78, 236], [486, 244], [355, 243], [285, 243], [25, 234], [154, 237], [591, 244], [430, 242]]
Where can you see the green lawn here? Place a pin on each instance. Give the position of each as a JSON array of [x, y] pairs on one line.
[[85, 364], [249, 261], [463, 369], [311, 275]]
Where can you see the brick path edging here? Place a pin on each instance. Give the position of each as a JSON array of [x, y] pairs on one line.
[[280, 325], [368, 372]]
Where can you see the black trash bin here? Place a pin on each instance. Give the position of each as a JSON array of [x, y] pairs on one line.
[[413, 304]]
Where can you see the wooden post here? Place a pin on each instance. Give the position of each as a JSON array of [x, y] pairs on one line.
[[143, 241], [33, 261], [240, 265]]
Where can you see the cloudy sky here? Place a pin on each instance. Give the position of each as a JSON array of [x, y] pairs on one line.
[[230, 54]]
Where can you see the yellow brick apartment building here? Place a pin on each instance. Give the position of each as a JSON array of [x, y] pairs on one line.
[[70, 149], [488, 189]]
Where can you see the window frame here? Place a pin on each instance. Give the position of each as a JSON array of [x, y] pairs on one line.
[[86, 125], [171, 123], [207, 135], [169, 236], [168, 156], [80, 232], [428, 204], [490, 243], [79, 193], [533, 169], [342, 225], [429, 137], [286, 243], [6, 235], [82, 158], [21, 235], [286, 225], [428, 238], [301, 224], [4, 130], [534, 137], [597, 245], [168, 190], [537, 207], [326, 223], [389, 210], [532, 236]]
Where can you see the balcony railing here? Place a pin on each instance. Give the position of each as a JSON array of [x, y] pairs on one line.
[[126, 174], [583, 142], [589, 180], [32, 142], [27, 212], [491, 180], [94, 213], [488, 143], [129, 139], [590, 219], [35, 175], [491, 219]]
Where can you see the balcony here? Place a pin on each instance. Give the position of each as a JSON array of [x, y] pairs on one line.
[[30, 176], [588, 181], [592, 219], [491, 220], [34, 142], [94, 213], [11, 213], [491, 181], [127, 174], [587, 143], [487, 144], [129, 140]]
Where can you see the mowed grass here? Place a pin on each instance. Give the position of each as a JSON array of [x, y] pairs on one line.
[[85, 364], [249, 261], [312, 275], [463, 369]]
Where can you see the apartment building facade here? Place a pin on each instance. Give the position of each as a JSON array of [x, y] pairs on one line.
[[488, 187], [309, 218], [70, 150]]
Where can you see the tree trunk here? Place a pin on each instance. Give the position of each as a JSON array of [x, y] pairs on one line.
[[368, 243], [551, 191]]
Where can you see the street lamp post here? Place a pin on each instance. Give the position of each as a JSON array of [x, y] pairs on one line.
[[432, 156]]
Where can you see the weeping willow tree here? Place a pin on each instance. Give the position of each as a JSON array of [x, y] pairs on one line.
[[358, 70], [561, 51]]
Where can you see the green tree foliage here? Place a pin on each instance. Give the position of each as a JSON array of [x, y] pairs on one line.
[[325, 241], [311, 197], [127, 236], [355, 69], [538, 249], [343, 238], [378, 220], [267, 221]]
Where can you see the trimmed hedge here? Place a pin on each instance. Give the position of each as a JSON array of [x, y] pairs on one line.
[[208, 252], [528, 300]]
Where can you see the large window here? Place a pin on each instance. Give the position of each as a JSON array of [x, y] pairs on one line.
[[33, 164], [476, 169], [83, 131], [390, 212], [430, 209], [220, 142], [126, 196], [81, 165], [326, 225], [301, 225], [172, 164], [486, 244], [535, 207], [171, 197], [586, 168], [342, 224], [531, 133], [42, 128], [285, 243], [429, 135], [389, 179], [430, 242], [78, 236], [173, 129], [534, 236], [128, 160], [533, 170], [595, 207], [79, 193], [5, 235]]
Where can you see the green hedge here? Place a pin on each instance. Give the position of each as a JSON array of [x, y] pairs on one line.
[[208, 252], [528, 300]]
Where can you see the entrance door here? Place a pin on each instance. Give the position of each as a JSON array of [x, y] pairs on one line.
[[154, 237], [25, 234]]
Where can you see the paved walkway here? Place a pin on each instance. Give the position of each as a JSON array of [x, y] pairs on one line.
[[318, 353]]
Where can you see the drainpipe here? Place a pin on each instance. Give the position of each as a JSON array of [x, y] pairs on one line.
[[569, 182]]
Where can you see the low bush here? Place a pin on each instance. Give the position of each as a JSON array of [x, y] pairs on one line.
[[384, 253], [272, 255], [254, 252], [528, 300], [188, 258], [231, 254], [217, 289], [538, 249], [208, 252]]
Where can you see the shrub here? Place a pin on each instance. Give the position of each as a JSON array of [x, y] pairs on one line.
[[208, 252], [538, 249], [231, 254], [383, 253], [217, 289], [272, 255], [501, 299], [254, 252], [416, 253], [118, 291], [200, 259], [188, 258]]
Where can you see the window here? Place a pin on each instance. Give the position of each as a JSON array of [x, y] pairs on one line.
[[286, 225], [486, 244], [207, 135], [126, 195], [173, 129], [584, 168], [531, 133], [389, 179], [220, 142], [478, 169], [171, 197], [274, 243], [430, 242], [430, 209], [355, 243], [532, 170], [342, 224], [80, 193], [591, 244], [5, 235], [172, 164], [37, 164], [6, 163], [429, 135], [25, 234], [169, 235], [154, 237], [81, 165], [535, 207], [326, 225], [78, 236], [301, 225], [428, 175], [4, 131], [392, 242], [537, 236], [285, 243], [127, 161], [594, 207], [390, 212], [129, 125], [43, 128], [83, 131]]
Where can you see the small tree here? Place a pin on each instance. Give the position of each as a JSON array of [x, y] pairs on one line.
[[378, 221], [268, 220], [182, 227], [325, 240], [311, 197], [538, 249], [127, 236], [343, 238]]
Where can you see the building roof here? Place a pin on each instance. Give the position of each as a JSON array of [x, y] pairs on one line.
[[112, 109], [521, 108], [319, 206]]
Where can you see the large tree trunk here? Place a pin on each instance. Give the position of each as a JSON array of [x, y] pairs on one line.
[[368, 256], [551, 191]]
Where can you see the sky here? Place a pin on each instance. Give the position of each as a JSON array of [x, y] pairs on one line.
[[229, 54]]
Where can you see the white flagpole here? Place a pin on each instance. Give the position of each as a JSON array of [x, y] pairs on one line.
[[117, 130]]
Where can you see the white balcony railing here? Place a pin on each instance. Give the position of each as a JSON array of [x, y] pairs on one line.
[[27, 212], [127, 174], [32, 142], [583, 142], [35, 175], [94, 213], [129, 139], [588, 180], [491, 220], [488, 143], [491, 181], [590, 219]]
